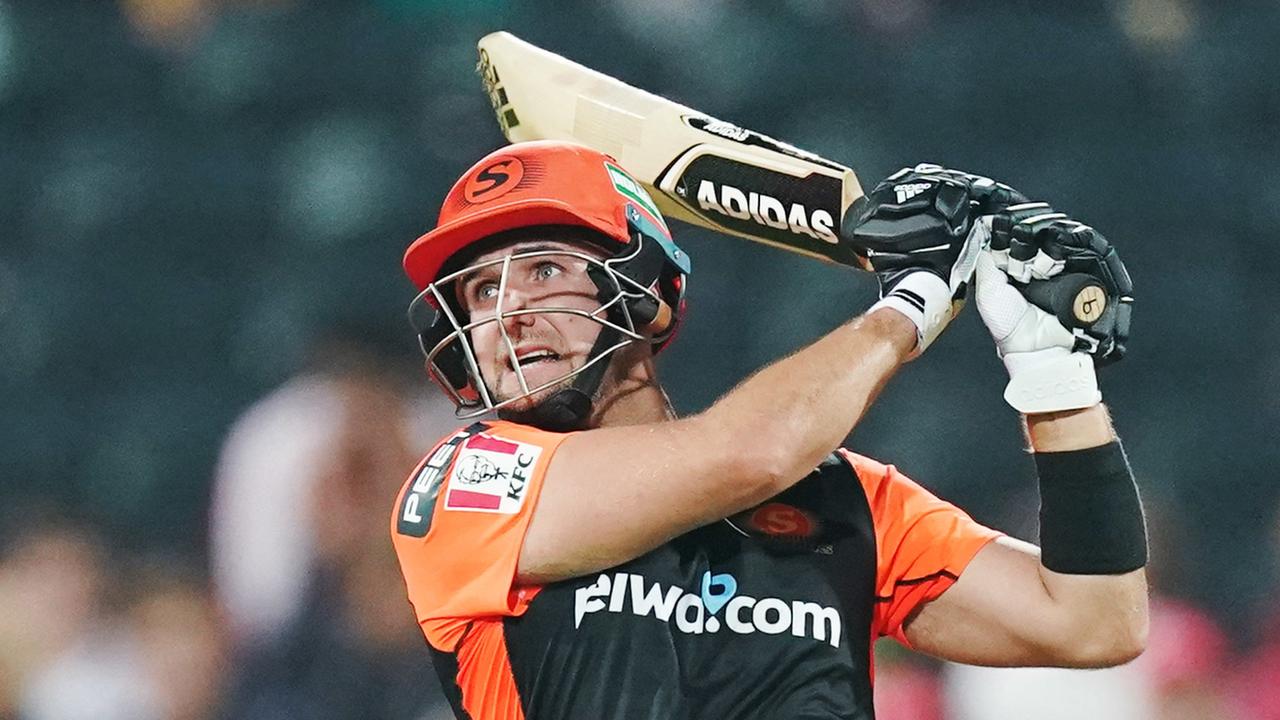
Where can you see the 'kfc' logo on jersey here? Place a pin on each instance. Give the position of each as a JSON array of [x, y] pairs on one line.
[[697, 614], [476, 469], [491, 475]]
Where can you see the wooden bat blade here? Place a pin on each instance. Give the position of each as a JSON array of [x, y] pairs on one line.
[[701, 170]]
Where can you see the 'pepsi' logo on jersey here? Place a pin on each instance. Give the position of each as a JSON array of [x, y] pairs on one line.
[[414, 518], [699, 613]]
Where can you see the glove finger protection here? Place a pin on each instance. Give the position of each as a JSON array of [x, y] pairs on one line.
[[1089, 288], [1016, 239]]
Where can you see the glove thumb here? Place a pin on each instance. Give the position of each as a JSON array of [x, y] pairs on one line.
[[1000, 305], [1015, 324]]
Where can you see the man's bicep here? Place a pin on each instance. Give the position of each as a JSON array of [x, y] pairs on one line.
[[923, 543], [613, 494], [997, 613]]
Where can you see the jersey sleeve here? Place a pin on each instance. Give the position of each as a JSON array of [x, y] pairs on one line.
[[923, 543], [459, 522]]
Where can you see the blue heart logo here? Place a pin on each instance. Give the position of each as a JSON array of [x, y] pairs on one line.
[[717, 590]]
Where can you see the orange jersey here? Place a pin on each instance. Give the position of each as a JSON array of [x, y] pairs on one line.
[[769, 613]]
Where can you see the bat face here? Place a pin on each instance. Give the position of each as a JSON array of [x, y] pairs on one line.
[[698, 169]]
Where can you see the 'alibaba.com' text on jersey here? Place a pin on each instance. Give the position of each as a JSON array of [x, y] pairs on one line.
[[770, 613]]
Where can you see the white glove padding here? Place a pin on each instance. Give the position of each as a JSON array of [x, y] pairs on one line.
[[1044, 374]]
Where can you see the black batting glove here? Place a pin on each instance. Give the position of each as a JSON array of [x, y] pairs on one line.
[[1069, 270], [919, 232]]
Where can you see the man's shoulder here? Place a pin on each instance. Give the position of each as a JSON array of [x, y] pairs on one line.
[[498, 430], [489, 466], [490, 436], [876, 477]]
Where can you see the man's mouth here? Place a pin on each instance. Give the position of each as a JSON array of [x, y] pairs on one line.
[[534, 356]]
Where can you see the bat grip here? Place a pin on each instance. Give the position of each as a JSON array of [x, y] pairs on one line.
[[1076, 299]]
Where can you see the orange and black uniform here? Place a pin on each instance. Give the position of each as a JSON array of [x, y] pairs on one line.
[[768, 614]]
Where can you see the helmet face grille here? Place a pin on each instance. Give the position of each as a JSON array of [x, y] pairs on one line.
[[616, 302]]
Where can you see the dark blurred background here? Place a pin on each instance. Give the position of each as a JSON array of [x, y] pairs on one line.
[[203, 204]]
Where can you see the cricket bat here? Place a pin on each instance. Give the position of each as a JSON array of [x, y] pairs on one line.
[[698, 169], [705, 171]]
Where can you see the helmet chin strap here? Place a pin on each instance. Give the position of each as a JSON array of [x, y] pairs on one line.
[[569, 409]]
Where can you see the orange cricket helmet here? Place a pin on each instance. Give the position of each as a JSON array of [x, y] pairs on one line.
[[640, 284], [542, 182]]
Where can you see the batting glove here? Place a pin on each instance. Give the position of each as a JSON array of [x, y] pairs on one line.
[[1039, 260], [918, 232]]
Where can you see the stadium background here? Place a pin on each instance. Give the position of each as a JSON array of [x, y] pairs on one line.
[[205, 201]]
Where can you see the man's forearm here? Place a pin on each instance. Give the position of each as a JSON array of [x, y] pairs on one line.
[[1109, 608], [1069, 429], [804, 405]]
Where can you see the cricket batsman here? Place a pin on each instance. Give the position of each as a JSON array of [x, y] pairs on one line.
[[588, 554]]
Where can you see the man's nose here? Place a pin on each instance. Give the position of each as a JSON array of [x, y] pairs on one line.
[[516, 300]]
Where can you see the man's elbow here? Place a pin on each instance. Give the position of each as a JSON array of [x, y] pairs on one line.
[[761, 472], [1121, 650], [1134, 639], [1117, 645]]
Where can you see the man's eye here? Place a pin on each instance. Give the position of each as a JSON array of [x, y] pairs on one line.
[[486, 291], [547, 270]]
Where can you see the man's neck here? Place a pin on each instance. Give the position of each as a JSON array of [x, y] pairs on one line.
[[634, 397]]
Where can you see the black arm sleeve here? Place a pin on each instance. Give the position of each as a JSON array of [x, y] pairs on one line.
[[1091, 520]]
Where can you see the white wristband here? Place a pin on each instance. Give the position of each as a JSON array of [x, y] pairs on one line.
[[925, 300], [1051, 380]]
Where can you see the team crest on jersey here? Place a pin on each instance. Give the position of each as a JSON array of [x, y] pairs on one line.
[[491, 475], [782, 521], [783, 528]]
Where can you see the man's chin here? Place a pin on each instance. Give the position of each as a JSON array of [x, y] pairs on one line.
[[525, 404]]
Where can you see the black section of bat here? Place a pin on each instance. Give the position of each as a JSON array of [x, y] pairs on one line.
[[729, 131], [799, 212]]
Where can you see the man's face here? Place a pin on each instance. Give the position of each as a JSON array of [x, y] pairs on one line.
[[546, 345]]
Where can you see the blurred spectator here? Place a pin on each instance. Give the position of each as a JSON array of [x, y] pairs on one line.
[[179, 24], [1256, 683], [307, 472], [155, 653], [300, 545], [50, 590], [353, 651], [262, 543], [1186, 663], [170, 23], [181, 641], [907, 686]]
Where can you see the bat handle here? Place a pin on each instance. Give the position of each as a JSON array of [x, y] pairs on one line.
[[1076, 299]]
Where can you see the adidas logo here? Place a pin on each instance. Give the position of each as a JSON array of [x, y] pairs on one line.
[[910, 190]]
